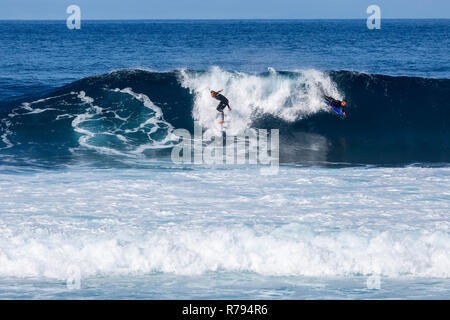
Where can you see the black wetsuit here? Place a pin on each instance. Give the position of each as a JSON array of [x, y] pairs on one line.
[[334, 103], [223, 103]]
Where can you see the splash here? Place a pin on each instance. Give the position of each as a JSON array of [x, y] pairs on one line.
[[289, 96]]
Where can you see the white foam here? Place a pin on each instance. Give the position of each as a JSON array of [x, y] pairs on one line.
[[6, 132], [144, 99], [136, 222], [91, 111], [232, 249], [157, 121]]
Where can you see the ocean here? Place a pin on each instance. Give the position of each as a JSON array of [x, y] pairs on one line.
[[93, 205]]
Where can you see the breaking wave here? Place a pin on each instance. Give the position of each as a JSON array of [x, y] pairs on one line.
[[132, 113]]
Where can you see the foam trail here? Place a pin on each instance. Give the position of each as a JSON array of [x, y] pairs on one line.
[[91, 111], [144, 99], [157, 122], [289, 97], [112, 130], [5, 135]]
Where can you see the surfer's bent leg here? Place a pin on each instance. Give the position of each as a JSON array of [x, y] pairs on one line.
[[220, 108], [327, 98]]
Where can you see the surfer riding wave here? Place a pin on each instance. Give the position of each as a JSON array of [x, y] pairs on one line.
[[223, 103]]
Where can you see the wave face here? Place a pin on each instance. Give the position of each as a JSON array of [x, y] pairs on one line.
[[132, 113], [390, 120]]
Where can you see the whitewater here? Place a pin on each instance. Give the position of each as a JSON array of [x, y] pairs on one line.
[[344, 225]]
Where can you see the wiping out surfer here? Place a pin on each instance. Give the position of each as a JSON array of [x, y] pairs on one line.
[[223, 103], [336, 105]]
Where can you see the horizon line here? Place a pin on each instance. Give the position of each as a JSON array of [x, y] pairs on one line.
[[213, 19]]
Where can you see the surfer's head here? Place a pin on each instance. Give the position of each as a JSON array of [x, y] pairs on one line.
[[344, 103], [213, 93]]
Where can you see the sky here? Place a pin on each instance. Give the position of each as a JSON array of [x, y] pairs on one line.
[[223, 9]]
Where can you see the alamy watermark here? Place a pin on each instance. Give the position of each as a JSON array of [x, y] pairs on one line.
[[74, 20], [255, 146], [374, 20], [373, 282], [73, 281]]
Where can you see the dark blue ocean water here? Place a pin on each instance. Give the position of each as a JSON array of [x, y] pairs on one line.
[[41, 54]]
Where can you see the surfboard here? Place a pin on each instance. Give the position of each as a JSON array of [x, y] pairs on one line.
[[336, 110], [223, 126]]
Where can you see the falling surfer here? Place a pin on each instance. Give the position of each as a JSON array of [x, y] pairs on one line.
[[335, 105], [223, 103]]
